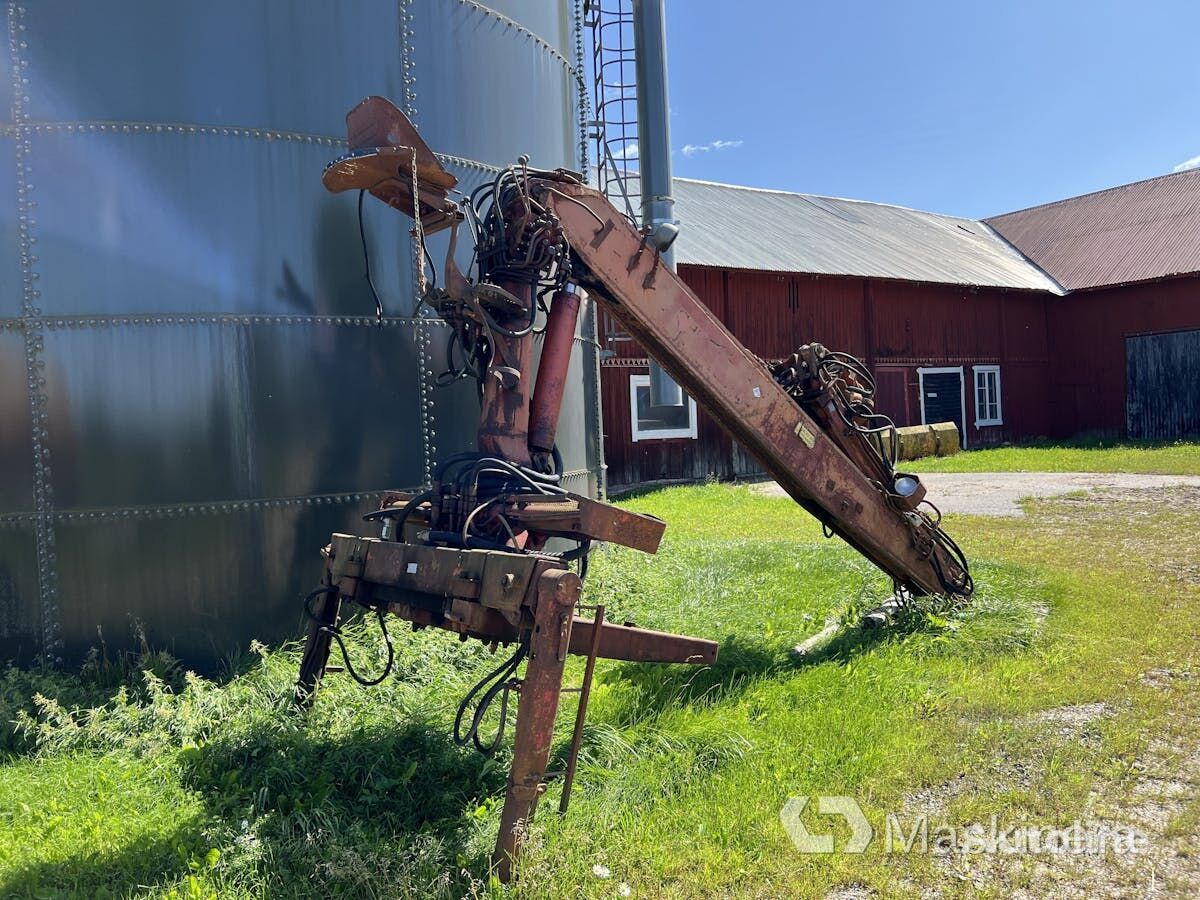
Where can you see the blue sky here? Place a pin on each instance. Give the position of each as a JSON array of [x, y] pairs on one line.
[[973, 108]]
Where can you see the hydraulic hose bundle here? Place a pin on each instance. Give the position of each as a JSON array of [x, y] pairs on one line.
[[838, 391]]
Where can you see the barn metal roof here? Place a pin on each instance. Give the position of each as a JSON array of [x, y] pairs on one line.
[[1149, 229], [752, 228]]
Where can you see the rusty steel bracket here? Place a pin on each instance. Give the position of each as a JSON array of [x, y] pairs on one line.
[[633, 644], [494, 589], [386, 157], [575, 516]]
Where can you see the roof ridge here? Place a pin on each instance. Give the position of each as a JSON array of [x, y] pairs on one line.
[[1059, 288], [1115, 187], [807, 195]]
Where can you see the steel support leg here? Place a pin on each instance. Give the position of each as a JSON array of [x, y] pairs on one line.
[[558, 591], [325, 609]]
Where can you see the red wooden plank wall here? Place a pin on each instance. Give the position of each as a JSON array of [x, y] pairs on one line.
[[1087, 331], [897, 327]]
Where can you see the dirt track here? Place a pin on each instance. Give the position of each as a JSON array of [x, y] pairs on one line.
[[999, 493]]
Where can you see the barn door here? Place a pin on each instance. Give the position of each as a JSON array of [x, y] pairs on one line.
[[942, 398], [891, 394], [1162, 385]]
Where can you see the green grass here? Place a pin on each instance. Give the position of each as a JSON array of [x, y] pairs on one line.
[[166, 784], [1179, 458]]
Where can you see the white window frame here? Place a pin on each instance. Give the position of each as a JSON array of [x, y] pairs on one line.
[[656, 434], [976, 371], [962, 392]]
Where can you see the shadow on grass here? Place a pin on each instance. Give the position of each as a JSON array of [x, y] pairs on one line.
[[406, 792], [391, 789], [850, 641], [406, 778], [649, 690], [403, 790], [161, 859]]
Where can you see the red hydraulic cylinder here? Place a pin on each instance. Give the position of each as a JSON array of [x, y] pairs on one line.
[[552, 369]]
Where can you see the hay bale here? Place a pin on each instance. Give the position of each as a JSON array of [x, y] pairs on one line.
[[916, 441], [946, 438]]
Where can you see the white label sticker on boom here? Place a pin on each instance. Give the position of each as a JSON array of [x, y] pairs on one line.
[[805, 435], [411, 569], [757, 392]]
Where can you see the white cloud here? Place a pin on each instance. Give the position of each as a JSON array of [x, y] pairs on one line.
[[691, 150], [629, 151], [1193, 163]]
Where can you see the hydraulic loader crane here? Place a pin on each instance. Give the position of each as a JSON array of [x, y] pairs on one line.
[[470, 555]]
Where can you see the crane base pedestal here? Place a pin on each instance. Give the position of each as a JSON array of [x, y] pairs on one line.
[[500, 597]]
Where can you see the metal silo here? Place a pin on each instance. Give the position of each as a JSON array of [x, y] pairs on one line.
[[195, 389]]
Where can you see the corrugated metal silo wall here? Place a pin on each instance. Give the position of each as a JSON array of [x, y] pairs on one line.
[[195, 393]]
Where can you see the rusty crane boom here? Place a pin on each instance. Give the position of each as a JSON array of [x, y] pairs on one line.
[[469, 554]]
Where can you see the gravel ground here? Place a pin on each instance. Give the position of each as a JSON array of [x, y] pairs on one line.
[[999, 493]]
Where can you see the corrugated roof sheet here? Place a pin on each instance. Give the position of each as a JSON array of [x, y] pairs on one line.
[[751, 228], [1149, 229]]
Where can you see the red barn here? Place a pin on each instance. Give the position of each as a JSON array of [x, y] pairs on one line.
[[1015, 327]]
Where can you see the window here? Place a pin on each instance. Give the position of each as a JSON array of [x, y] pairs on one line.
[[987, 396], [658, 422]]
